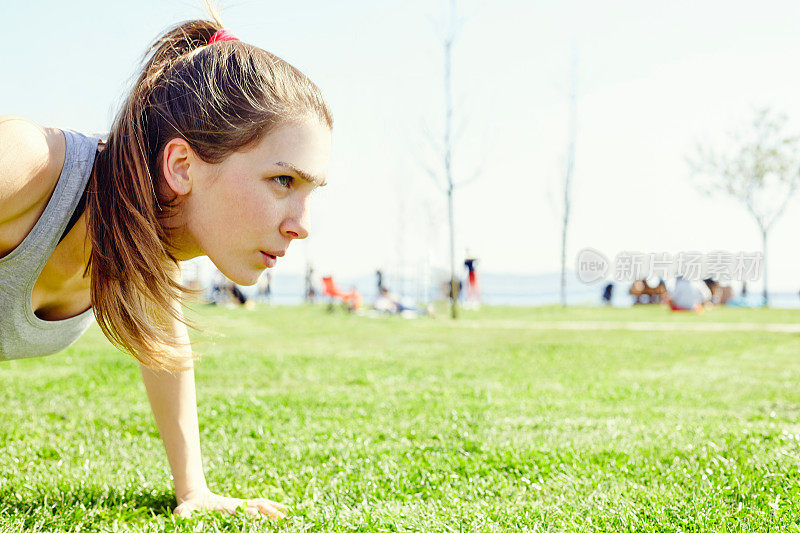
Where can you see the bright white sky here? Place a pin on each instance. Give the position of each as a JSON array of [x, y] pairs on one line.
[[653, 80]]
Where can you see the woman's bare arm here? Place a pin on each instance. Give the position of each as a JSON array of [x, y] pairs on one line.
[[173, 401]]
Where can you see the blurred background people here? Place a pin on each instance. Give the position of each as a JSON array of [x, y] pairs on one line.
[[688, 295], [473, 287]]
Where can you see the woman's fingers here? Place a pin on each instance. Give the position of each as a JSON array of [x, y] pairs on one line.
[[257, 507], [184, 510], [269, 508], [253, 511], [278, 506]]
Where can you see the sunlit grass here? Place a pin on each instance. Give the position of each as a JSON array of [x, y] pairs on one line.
[[385, 424]]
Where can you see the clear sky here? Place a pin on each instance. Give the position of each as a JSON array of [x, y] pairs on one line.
[[654, 79]]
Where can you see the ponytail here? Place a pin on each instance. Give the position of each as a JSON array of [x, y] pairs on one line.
[[219, 98]]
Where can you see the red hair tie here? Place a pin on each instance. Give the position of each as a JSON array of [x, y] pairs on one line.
[[222, 35]]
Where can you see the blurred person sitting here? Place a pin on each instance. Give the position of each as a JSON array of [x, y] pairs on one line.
[[688, 296], [388, 303]]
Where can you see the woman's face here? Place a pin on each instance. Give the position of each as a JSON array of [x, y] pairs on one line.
[[251, 205]]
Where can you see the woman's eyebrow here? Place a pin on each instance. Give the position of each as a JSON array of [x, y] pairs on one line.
[[314, 180]]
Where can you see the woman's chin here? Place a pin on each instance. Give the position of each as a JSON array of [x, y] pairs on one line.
[[245, 280], [242, 277]]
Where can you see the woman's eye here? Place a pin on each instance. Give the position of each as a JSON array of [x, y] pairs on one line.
[[284, 181]]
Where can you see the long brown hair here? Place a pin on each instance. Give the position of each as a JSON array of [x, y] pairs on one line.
[[220, 98]]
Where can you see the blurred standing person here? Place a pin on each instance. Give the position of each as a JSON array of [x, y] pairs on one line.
[[473, 288], [265, 286], [379, 276], [310, 292], [219, 292], [608, 293]]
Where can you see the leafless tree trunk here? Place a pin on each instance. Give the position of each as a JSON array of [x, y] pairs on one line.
[[573, 128], [445, 148], [764, 262], [448, 151], [762, 172]]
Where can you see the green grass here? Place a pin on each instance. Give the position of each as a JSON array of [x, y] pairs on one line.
[[642, 313], [364, 424]]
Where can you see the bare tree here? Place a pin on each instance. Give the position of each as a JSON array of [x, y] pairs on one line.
[[570, 166], [446, 148], [762, 171]]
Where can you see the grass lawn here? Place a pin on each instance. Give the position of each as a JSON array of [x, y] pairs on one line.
[[363, 424]]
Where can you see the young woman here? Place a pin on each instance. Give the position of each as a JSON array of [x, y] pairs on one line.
[[215, 152]]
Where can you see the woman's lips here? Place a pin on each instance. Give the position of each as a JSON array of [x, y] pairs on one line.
[[269, 259]]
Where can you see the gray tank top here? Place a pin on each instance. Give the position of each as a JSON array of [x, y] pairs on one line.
[[22, 333]]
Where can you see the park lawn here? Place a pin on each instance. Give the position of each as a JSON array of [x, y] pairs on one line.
[[639, 313], [385, 424]]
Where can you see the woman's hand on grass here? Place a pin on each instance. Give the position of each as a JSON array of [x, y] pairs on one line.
[[172, 398], [205, 500]]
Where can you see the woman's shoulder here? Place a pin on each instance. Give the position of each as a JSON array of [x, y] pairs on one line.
[[31, 158]]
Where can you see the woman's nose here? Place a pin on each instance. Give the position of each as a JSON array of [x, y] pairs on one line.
[[294, 228]]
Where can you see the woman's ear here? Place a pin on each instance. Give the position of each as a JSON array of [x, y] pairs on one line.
[[175, 166]]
